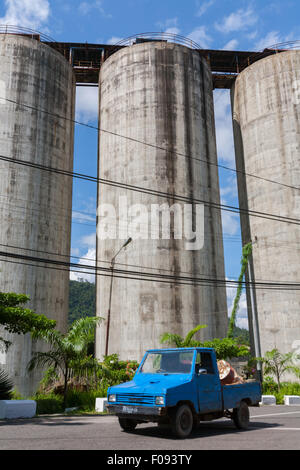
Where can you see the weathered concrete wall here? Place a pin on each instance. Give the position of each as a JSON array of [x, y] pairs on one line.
[[160, 94], [35, 205], [266, 113]]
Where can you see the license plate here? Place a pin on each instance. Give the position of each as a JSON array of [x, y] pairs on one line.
[[129, 409]]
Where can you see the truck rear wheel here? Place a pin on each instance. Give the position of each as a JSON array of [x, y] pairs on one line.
[[182, 421], [127, 424], [241, 416]]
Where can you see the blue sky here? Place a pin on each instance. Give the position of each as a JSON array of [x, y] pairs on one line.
[[214, 24]]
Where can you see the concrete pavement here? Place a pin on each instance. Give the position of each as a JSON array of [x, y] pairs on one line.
[[272, 427]]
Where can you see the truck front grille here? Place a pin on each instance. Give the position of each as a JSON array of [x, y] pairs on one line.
[[135, 399]]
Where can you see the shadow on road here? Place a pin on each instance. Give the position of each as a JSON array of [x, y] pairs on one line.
[[44, 421], [203, 430]]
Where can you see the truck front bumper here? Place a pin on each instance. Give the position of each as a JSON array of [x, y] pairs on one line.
[[138, 412]]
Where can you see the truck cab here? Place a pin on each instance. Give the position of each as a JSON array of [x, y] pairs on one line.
[[180, 387]]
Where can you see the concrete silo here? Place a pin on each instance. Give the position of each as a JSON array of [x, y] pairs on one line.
[[35, 205], [158, 93], [266, 118]]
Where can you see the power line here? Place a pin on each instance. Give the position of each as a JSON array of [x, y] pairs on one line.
[[98, 261], [20, 209], [68, 267], [174, 197], [118, 263], [56, 208], [146, 276], [74, 121]]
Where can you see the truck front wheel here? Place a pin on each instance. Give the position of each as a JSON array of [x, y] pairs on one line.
[[127, 424], [182, 421], [240, 416]]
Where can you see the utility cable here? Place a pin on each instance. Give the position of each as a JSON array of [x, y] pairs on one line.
[[99, 261], [74, 121], [153, 277], [173, 197]]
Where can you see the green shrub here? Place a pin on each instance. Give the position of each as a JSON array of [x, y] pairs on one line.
[[85, 385], [84, 400], [48, 404], [269, 387], [52, 404], [15, 395]]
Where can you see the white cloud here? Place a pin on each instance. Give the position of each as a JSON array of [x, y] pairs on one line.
[[230, 223], [252, 35], [224, 133], [242, 314], [172, 30], [74, 252], [89, 240], [27, 13], [231, 45], [230, 220], [169, 26], [86, 104], [89, 258], [82, 217], [203, 7], [229, 188], [201, 37], [114, 40], [273, 37], [85, 274], [237, 21], [86, 8]]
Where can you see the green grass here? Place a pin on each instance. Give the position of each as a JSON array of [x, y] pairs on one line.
[[53, 404], [48, 404], [286, 388]]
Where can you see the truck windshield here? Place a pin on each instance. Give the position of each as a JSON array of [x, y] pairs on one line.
[[173, 362]]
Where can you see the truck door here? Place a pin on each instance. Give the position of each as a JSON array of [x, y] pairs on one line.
[[208, 383]]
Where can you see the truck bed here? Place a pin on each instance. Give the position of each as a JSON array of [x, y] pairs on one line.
[[234, 393]]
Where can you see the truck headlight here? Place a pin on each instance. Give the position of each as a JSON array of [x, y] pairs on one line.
[[160, 400], [112, 398]]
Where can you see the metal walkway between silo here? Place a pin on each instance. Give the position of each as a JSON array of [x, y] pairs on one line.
[[86, 60]]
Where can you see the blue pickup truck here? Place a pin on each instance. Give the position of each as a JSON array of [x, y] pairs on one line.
[[181, 387]]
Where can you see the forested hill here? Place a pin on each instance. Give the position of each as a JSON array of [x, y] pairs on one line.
[[82, 300], [83, 303]]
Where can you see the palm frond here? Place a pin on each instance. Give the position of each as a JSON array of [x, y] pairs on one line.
[[53, 337], [171, 338], [42, 359], [188, 338], [4, 344], [81, 332], [6, 385]]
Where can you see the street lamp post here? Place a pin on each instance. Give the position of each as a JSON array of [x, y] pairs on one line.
[[112, 263]]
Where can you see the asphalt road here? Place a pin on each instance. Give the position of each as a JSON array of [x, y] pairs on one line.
[[271, 428]]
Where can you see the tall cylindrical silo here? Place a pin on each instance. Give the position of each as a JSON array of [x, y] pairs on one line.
[[157, 93], [266, 117], [35, 205]]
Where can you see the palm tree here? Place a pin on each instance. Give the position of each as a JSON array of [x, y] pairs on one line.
[[6, 385], [181, 342], [225, 348], [276, 363], [65, 349]]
